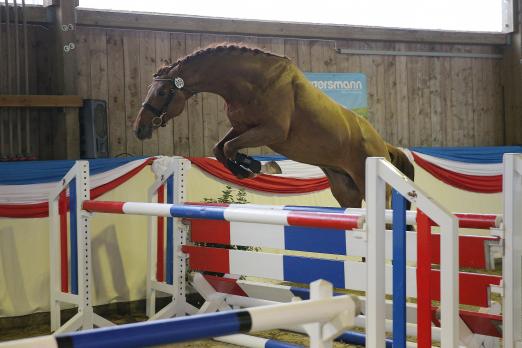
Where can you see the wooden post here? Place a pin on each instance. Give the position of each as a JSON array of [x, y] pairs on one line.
[[512, 80], [67, 134]]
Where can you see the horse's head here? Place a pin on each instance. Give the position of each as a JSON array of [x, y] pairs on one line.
[[165, 100]]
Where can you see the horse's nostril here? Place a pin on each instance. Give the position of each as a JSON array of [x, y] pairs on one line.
[[143, 132]]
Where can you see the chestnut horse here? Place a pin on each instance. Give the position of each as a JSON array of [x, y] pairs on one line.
[[270, 102]]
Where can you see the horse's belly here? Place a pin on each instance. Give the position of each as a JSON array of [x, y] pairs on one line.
[[310, 153]]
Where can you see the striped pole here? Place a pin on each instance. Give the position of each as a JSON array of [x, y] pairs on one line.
[[194, 327], [297, 216], [266, 216], [466, 220]]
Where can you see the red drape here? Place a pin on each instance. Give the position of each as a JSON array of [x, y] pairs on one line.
[[265, 183]]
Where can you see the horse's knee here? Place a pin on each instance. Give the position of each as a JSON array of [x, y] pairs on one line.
[[217, 150], [229, 150]]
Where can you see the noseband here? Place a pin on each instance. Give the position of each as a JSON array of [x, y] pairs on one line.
[[160, 114]]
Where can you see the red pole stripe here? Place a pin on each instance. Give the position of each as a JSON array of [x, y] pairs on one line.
[[64, 260], [481, 221], [423, 280], [478, 221], [160, 246], [325, 220], [104, 207]]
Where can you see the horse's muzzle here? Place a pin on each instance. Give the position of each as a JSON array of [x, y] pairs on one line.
[[143, 132]]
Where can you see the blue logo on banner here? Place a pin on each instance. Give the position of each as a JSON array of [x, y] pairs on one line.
[[347, 89]]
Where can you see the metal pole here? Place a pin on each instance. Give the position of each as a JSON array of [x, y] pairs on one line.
[[17, 77], [9, 74], [26, 69]]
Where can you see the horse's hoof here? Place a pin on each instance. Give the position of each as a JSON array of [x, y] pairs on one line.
[[248, 162], [239, 171], [271, 168]]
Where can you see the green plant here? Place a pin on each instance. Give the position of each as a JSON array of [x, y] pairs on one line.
[[227, 196]]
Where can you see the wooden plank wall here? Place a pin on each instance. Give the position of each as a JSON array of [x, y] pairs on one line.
[[41, 81], [413, 101]]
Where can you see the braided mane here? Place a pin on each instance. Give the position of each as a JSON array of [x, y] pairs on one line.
[[224, 48]]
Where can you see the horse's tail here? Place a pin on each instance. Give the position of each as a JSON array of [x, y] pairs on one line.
[[399, 159]]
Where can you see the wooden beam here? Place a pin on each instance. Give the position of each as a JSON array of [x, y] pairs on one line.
[[133, 20], [165, 22], [41, 101], [67, 126]]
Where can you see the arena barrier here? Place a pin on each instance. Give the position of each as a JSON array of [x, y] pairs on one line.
[[376, 306]]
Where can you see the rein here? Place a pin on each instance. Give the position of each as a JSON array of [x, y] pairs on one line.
[[160, 120]]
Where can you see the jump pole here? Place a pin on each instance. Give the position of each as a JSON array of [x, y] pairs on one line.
[[466, 220], [232, 214], [333, 314]]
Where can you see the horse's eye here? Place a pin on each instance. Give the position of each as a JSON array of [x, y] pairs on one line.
[[161, 93]]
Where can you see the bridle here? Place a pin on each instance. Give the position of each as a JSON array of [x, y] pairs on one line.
[[160, 114]]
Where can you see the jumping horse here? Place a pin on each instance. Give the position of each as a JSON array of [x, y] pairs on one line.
[[270, 102]]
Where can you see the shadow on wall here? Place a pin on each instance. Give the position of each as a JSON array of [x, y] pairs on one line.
[[108, 240], [12, 281]]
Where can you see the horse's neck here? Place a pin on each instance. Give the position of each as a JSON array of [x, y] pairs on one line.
[[233, 78]]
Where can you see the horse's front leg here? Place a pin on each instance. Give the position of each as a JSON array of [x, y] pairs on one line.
[[242, 166], [218, 148], [254, 137]]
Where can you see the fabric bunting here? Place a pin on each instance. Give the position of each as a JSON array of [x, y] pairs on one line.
[[467, 182], [30, 201], [475, 169], [24, 186]]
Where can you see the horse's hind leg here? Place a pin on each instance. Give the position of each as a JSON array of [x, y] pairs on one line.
[[343, 188]]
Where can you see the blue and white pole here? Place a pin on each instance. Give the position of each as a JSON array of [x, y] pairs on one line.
[[183, 329]]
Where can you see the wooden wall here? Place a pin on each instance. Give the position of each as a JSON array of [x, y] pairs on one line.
[[413, 101], [41, 81]]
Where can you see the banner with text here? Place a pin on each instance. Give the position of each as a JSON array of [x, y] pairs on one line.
[[347, 89]]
